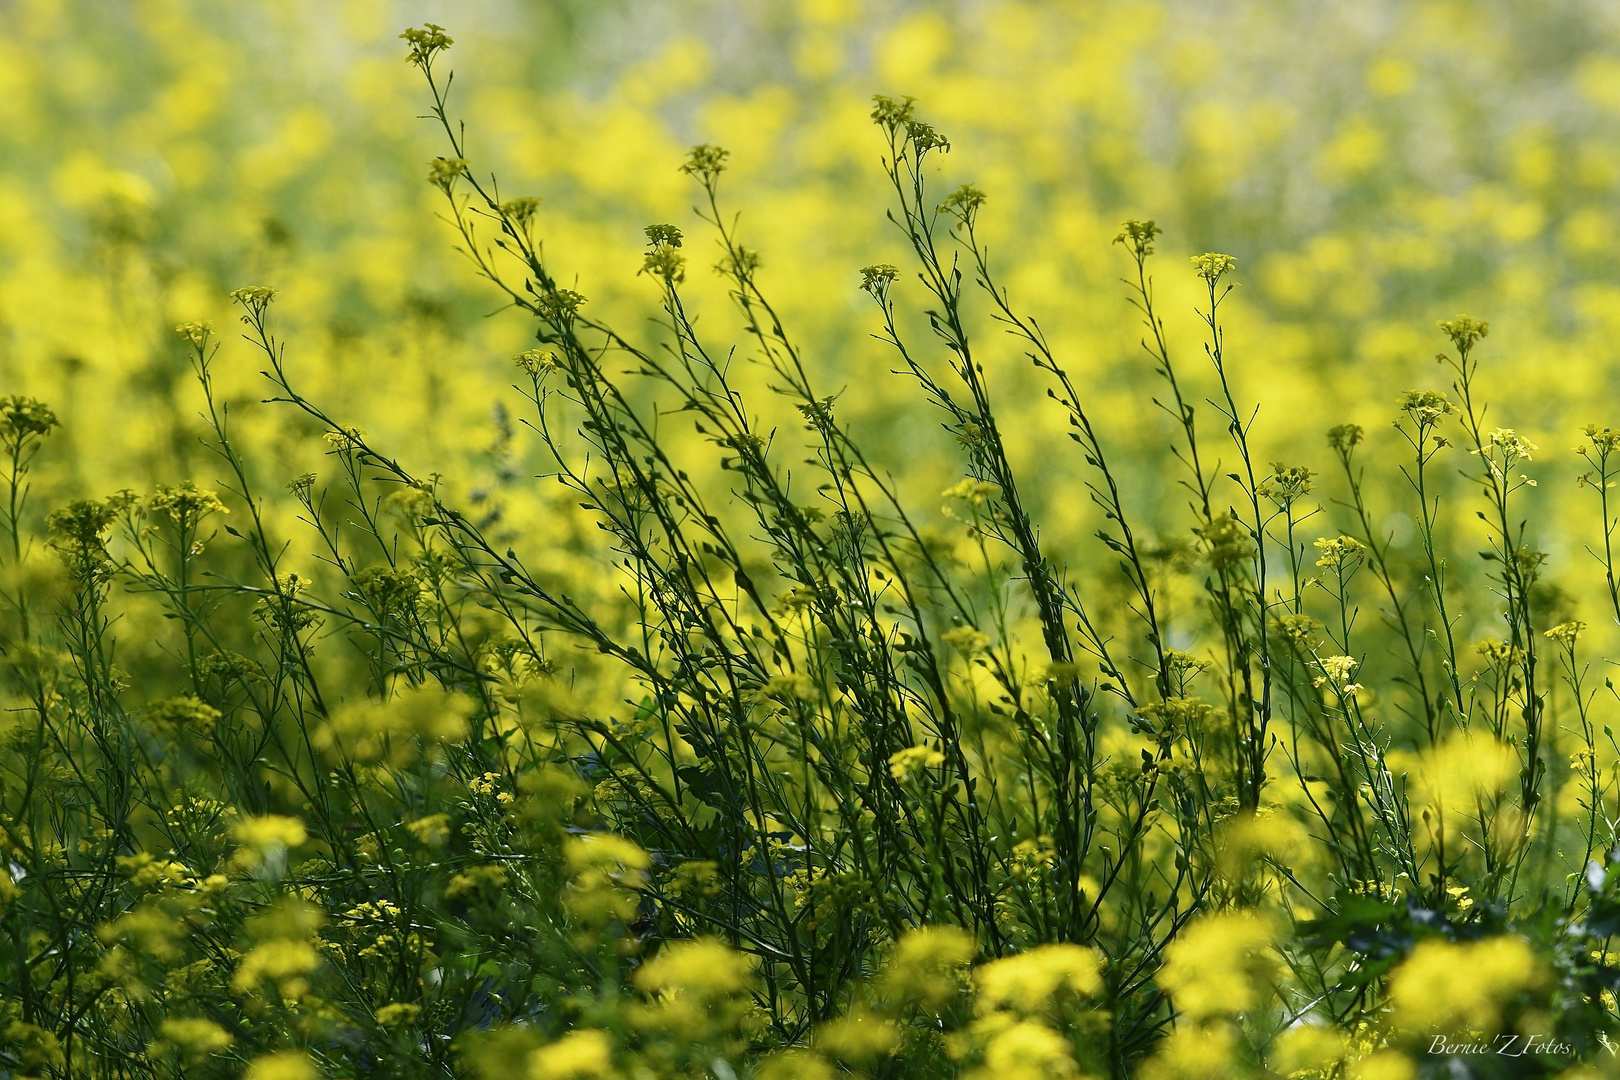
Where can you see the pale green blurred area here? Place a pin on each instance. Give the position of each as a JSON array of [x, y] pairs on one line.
[[1373, 167]]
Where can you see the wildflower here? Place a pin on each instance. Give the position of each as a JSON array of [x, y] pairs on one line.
[[1341, 554], [195, 333], [301, 487], [1455, 775], [963, 203], [1445, 986], [1343, 437], [560, 305], [858, 1037], [1227, 542], [78, 531], [22, 418], [194, 1036], [606, 874], [666, 264], [612, 856], [663, 236], [790, 687], [431, 830], [1566, 633], [478, 881], [399, 1014], [444, 172], [929, 964], [283, 1065], [924, 138], [1183, 666], [521, 210], [34, 1045], [345, 439], [1064, 675], [795, 1063], [1206, 1052], [387, 590], [1220, 964], [976, 492], [1031, 857], [576, 1056], [1338, 668], [145, 870], [1287, 484], [280, 960], [1514, 447], [891, 112], [705, 968], [538, 363], [1426, 406], [1604, 440], [1173, 716], [696, 877], [390, 731], [185, 503], [1138, 236], [967, 640], [903, 764], [183, 715], [425, 43], [269, 832], [739, 262], [1302, 631], [877, 278], [150, 928], [1498, 653], [1025, 984], [255, 298], [1026, 1050], [705, 161], [1212, 266], [1464, 331]]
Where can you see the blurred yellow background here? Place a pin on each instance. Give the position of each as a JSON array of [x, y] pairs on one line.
[[1373, 167]]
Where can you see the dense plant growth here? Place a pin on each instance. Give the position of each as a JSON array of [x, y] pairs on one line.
[[812, 785]]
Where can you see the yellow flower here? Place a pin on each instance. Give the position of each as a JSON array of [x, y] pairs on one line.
[[903, 764], [196, 333], [1464, 331], [1212, 266], [857, 1037], [967, 640], [269, 831], [194, 1035], [705, 969], [1445, 986], [280, 960], [1026, 1050], [928, 964], [185, 503], [1338, 668], [425, 43], [578, 1054], [1026, 983], [1194, 1052], [398, 1014], [286, 1065], [444, 172], [1566, 633], [476, 881], [1220, 964], [1340, 553]]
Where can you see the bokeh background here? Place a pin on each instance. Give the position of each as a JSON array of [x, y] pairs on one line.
[[1373, 167]]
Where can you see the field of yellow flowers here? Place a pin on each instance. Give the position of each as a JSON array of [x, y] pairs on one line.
[[966, 538]]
